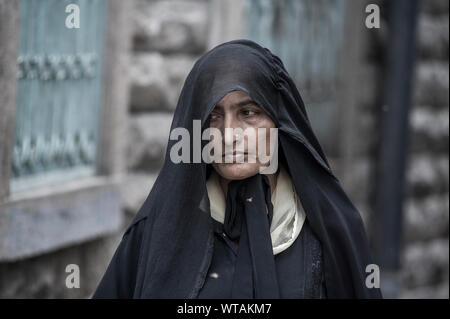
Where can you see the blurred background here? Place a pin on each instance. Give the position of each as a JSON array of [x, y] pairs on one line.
[[85, 117]]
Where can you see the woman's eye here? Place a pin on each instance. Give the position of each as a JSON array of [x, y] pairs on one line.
[[214, 116], [249, 112]]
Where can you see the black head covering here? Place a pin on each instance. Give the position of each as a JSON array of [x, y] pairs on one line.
[[173, 246]]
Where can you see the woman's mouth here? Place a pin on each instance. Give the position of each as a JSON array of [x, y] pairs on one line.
[[235, 157]]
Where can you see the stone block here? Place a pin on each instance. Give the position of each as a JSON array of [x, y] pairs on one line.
[[425, 263], [148, 134], [171, 26], [431, 84], [427, 174], [53, 217], [425, 219], [134, 190], [157, 80], [44, 276], [433, 36], [429, 130]]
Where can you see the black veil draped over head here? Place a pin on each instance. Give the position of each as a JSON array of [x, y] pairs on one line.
[[166, 250]]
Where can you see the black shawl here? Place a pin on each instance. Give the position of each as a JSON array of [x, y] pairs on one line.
[[166, 250]]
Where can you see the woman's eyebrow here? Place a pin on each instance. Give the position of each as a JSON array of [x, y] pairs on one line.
[[242, 103]]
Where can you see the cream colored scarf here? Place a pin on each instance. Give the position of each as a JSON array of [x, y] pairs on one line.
[[288, 213]]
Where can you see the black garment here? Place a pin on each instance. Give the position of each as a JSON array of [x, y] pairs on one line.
[[119, 281], [248, 216], [167, 249], [299, 267]]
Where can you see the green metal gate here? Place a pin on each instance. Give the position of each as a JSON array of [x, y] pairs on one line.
[[59, 92]]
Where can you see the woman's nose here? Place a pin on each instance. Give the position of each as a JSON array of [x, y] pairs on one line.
[[230, 127], [230, 136]]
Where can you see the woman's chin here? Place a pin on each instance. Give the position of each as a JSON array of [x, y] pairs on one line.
[[236, 171]]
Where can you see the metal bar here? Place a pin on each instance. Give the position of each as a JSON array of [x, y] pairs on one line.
[[393, 146]]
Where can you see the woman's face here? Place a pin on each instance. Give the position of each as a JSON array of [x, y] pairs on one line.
[[237, 110]]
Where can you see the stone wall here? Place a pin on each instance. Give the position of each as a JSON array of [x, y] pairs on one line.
[[425, 258]]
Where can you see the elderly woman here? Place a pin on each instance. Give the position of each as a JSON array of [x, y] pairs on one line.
[[233, 225]]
